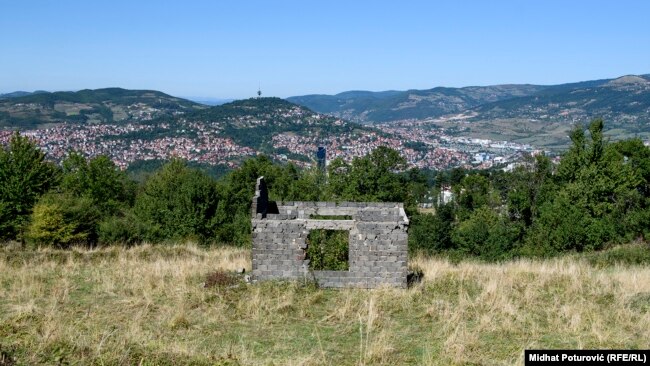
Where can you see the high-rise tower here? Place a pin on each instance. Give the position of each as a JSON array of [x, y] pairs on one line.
[[321, 158]]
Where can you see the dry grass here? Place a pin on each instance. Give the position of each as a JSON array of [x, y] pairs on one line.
[[148, 305]]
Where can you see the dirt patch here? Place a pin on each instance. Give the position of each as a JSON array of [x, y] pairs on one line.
[[220, 279]]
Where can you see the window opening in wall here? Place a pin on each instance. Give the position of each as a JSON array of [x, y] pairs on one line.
[[328, 250]]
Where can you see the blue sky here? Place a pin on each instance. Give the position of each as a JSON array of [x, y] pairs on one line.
[[224, 49]]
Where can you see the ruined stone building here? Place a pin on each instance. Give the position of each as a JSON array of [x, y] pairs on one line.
[[377, 241]]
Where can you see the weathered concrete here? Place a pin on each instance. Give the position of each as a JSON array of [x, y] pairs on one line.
[[377, 241]]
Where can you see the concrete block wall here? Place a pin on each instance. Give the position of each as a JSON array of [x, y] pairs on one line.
[[378, 251]]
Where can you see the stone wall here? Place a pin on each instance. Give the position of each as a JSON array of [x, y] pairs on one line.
[[378, 251]]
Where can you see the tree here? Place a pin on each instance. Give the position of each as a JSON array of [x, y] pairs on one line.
[[310, 186], [527, 188], [432, 233], [635, 154], [125, 228], [232, 219], [575, 157], [565, 226], [456, 176], [338, 177], [24, 176], [485, 234], [374, 177], [328, 250], [178, 203], [100, 180], [598, 201], [474, 192], [418, 188], [48, 226]]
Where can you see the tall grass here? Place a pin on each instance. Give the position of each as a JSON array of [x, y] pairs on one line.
[[149, 305]]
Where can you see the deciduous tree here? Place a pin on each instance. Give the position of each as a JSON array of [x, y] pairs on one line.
[[24, 176]]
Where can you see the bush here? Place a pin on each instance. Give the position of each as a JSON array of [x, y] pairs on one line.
[[62, 220], [629, 254], [125, 228], [565, 225], [486, 234]]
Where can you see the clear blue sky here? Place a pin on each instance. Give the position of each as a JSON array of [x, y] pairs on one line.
[[223, 49]]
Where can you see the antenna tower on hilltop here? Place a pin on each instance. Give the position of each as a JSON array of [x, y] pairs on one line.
[[259, 92]]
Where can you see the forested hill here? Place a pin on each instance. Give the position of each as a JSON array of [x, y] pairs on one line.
[[221, 136], [247, 107], [108, 105], [627, 96], [255, 122], [375, 107], [19, 93]]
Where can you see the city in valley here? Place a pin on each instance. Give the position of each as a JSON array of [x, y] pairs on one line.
[[205, 142]]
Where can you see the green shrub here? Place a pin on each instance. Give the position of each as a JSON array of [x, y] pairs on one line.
[[126, 228], [628, 254], [566, 225], [62, 220], [486, 234]]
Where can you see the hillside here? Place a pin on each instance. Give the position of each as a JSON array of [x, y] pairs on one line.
[[625, 99], [535, 115], [254, 122], [19, 93], [109, 105], [376, 107], [220, 135]]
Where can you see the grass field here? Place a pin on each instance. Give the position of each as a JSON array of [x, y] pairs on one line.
[[149, 306]]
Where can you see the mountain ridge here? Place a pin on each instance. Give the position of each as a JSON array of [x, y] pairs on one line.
[[624, 102], [105, 105], [20, 93], [387, 106]]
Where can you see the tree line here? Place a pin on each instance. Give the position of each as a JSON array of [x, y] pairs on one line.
[[597, 195]]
